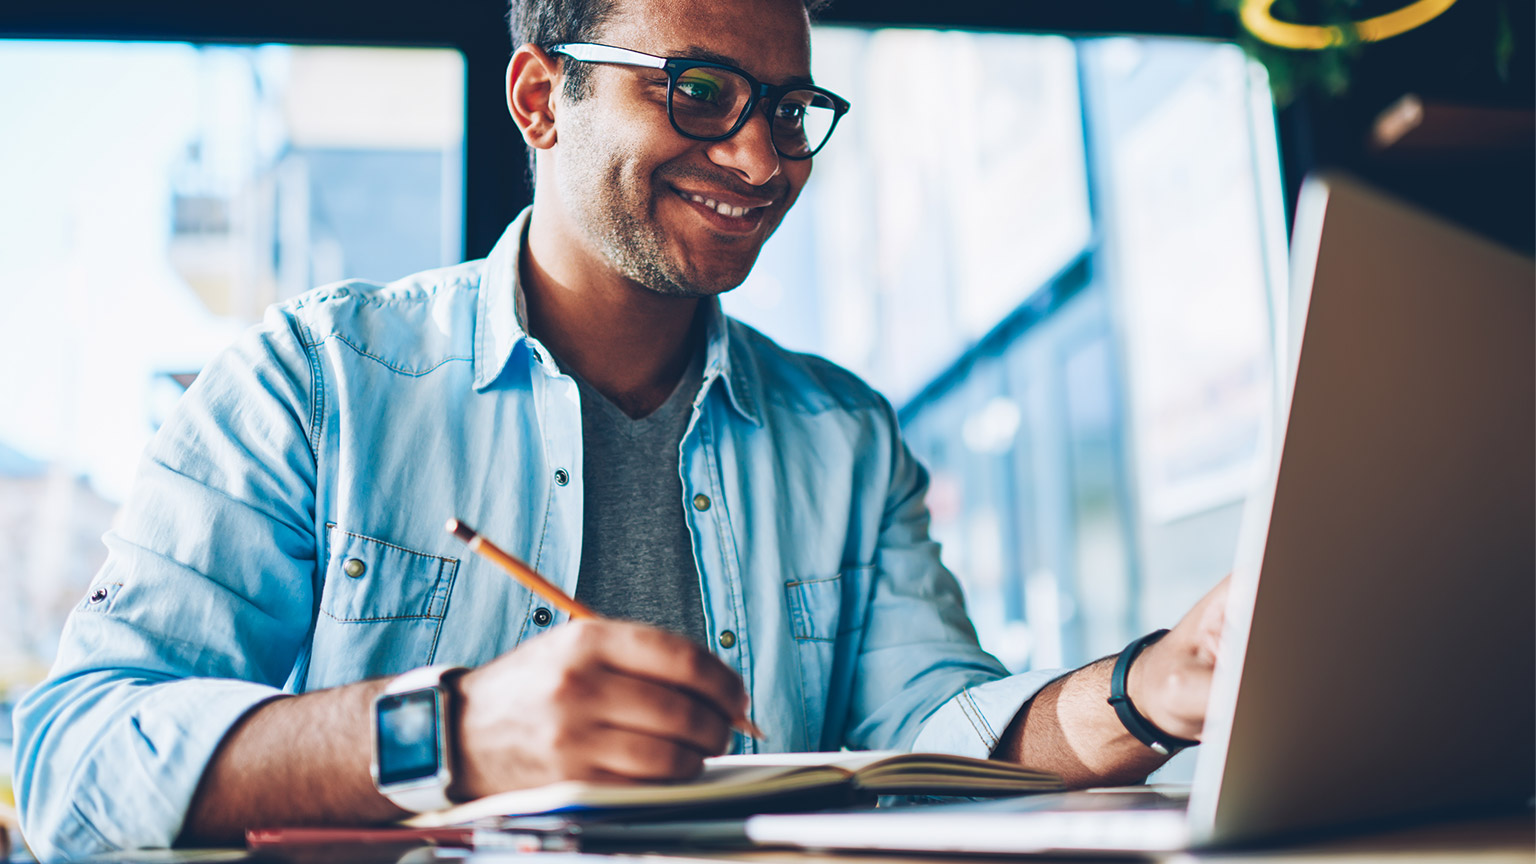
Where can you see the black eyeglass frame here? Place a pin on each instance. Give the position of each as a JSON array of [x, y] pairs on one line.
[[593, 52]]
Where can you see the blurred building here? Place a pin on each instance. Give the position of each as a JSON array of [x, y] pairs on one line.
[[185, 189]]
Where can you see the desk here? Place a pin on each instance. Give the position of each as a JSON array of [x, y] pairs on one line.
[[1510, 840], [1482, 841]]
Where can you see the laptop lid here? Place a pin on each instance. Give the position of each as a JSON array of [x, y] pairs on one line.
[[1379, 659], [1380, 652]]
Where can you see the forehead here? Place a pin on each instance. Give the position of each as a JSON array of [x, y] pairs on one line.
[[769, 38]]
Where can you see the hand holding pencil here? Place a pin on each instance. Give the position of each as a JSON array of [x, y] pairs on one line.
[[597, 699]]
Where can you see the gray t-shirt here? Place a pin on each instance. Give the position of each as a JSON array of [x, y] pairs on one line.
[[636, 552]]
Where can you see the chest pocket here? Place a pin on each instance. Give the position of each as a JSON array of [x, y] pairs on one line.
[[381, 609], [822, 614]]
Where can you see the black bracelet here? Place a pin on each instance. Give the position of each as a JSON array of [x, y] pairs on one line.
[[1161, 742]]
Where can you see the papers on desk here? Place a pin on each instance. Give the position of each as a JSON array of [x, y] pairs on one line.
[[772, 780]]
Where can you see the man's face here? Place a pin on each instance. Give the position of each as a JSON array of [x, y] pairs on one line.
[[636, 190]]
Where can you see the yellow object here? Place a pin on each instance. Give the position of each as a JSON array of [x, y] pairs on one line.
[[8, 818], [1312, 37]]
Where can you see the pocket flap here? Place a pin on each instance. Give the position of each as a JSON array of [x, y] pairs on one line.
[[368, 579]]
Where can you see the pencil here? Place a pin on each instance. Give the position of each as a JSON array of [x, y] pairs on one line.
[[524, 574], [530, 579]]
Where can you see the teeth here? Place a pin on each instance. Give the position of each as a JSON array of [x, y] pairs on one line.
[[719, 207]]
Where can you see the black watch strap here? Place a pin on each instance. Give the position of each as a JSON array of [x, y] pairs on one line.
[[1161, 742]]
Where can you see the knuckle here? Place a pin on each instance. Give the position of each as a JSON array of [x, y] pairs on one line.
[[692, 664], [575, 638], [565, 744], [703, 721], [658, 759], [569, 766], [682, 763], [642, 757], [584, 628], [567, 681]]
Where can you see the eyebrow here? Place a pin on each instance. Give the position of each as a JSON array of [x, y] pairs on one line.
[[694, 52]]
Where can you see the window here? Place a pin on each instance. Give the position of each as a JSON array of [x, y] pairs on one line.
[[160, 197], [1063, 261]]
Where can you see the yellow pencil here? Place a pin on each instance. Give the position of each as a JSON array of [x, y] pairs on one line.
[[530, 579]]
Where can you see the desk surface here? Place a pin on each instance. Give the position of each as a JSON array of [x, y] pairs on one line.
[[1483, 841]]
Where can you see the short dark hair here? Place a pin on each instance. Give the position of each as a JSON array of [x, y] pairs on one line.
[[552, 22]]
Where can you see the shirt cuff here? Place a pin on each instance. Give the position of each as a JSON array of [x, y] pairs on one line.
[[974, 720], [154, 755]]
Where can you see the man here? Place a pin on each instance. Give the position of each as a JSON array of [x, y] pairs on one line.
[[282, 560]]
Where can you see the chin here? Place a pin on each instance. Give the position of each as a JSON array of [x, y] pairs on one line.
[[716, 284], [691, 288], [709, 281]]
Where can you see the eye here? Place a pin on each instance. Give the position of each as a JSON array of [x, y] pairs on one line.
[[791, 111], [699, 89]]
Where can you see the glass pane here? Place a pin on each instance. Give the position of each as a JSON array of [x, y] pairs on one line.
[[1089, 458], [158, 198], [940, 204], [1194, 225]]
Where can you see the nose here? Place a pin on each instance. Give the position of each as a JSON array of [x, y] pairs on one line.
[[750, 151]]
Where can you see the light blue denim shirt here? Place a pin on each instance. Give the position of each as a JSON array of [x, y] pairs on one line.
[[285, 534]]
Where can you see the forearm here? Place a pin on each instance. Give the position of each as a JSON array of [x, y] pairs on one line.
[[1070, 728], [302, 760]]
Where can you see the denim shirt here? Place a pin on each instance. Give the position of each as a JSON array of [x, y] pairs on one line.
[[285, 534]]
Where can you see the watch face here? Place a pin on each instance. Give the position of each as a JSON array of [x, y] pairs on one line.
[[407, 736]]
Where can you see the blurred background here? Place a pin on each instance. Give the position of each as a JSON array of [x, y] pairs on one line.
[[1054, 238]]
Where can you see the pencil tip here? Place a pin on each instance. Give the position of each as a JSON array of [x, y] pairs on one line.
[[460, 530], [752, 730]]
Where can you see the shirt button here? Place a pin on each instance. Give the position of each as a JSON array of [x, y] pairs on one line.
[[98, 595], [561, 477], [727, 639], [701, 503], [354, 568], [542, 617]]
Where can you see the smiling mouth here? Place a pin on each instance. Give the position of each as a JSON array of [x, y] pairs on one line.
[[724, 209]]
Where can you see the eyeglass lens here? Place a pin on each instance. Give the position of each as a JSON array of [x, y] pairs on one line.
[[706, 101]]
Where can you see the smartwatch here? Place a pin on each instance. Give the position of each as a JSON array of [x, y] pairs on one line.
[[411, 762]]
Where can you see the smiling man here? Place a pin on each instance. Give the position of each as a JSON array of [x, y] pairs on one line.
[[283, 633]]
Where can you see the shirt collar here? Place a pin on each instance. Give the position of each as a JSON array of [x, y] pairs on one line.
[[502, 325]]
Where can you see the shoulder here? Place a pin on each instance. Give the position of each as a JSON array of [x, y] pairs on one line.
[[807, 384], [411, 325]]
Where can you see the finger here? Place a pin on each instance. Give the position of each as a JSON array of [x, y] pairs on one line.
[[667, 658], [638, 756], [651, 708], [1213, 619]]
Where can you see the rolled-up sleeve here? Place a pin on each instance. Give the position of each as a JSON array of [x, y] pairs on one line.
[[923, 682], [199, 614]]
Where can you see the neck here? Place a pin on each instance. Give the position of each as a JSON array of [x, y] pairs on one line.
[[631, 344]]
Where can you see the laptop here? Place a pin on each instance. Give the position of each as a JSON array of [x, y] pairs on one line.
[[1379, 658]]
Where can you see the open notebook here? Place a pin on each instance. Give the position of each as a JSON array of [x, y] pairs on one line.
[[744, 780]]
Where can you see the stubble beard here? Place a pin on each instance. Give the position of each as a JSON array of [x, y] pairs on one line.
[[636, 246], [608, 207]]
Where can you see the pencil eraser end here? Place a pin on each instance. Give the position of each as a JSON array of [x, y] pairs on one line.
[[460, 530]]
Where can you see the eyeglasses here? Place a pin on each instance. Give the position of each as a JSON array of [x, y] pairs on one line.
[[711, 101]]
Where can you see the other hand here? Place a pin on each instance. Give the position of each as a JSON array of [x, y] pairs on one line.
[[604, 700], [1170, 681]]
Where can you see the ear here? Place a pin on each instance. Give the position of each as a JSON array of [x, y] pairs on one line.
[[531, 81]]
